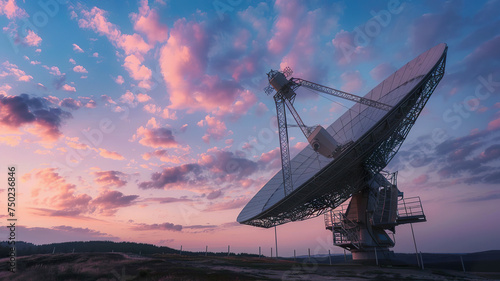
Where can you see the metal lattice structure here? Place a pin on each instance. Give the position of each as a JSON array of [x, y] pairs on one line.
[[341, 94], [362, 156]]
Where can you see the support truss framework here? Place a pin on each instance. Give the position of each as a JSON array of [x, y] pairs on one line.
[[336, 183]]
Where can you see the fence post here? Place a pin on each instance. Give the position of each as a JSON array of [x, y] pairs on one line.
[[329, 257], [206, 251], [463, 266]]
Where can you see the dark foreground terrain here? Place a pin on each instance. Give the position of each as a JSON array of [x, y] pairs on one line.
[[120, 266]]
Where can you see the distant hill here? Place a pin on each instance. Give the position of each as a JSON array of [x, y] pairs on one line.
[[26, 248]]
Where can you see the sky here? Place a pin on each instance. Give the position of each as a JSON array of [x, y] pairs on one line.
[[146, 121]]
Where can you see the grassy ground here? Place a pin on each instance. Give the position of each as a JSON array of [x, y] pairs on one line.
[[118, 266]]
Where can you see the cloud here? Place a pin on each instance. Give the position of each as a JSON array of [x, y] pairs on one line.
[[348, 50], [216, 129], [216, 167], [163, 226], [80, 69], [33, 114], [353, 82], [285, 25], [166, 200], [135, 68], [183, 62], [433, 28], [133, 45], [62, 197], [10, 140], [32, 39], [164, 156], [70, 103], [68, 88], [110, 154], [54, 70], [77, 48], [214, 194], [155, 137], [481, 198], [61, 233], [10, 9], [494, 124], [119, 79], [4, 89], [10, 69], [227, 205], [147, 22], [55, 191], [110, 178], [109, 201], [172, 175], [422, 179]]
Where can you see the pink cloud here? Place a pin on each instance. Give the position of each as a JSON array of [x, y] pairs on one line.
[[77, 48], [68, 88], [10, 9], [119, 79], [216, 129], [110, 154], [227, 205], [152, 108], [80, 69], [70, 103], [163, 226], [155, 137], [135, 68], [183, 62], [133, 45], [271, 159], [32, 39], [10, 140], [420, 179], [353, 82], [32, 114], [54, 70], [12, 70], [494, 124], [72, 61], [62, 196], [347, 50], [169, 114], [143, 97], [110, 178], [285, 25], [148, 23], [108, 202], [164, 156]]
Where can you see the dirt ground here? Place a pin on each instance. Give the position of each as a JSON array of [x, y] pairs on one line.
[[120, 266]]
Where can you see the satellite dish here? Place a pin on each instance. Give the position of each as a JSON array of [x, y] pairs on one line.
[[346, 160]]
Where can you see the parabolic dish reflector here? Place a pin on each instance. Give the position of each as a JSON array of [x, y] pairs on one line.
[[372, 136]]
